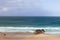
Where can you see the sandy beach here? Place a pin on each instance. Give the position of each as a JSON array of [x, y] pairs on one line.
[[27, 36]]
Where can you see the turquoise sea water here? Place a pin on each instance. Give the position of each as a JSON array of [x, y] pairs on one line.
[[29, 24]]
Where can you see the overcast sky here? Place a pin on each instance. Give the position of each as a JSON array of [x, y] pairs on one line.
[[29, 7]]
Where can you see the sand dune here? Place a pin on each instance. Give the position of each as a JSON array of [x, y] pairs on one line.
[[32, 37]]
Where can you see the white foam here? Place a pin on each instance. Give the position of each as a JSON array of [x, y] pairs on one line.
[[29, 29], [57, 28]]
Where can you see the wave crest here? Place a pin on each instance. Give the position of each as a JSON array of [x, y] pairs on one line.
[[50, 30]]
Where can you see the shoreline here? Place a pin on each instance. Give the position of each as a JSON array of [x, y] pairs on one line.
[[28, 36]]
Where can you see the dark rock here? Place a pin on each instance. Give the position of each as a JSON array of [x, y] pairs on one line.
[[39, 31], [43, 30]]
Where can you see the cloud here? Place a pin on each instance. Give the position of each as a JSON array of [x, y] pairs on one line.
[[20, 5], [29, 7], [4, 9]]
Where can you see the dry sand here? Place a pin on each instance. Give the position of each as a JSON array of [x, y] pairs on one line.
[[13, 36]]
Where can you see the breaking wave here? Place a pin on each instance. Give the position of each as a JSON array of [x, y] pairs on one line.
[[49, 30]]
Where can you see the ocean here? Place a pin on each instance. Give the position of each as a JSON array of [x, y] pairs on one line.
[[51, 25]]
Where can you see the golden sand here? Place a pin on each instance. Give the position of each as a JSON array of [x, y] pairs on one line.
[[11, 36]]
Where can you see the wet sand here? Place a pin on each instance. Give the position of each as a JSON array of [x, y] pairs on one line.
[[27, 36]]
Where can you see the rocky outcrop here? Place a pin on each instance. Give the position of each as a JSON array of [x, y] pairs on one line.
[[39, 31]]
